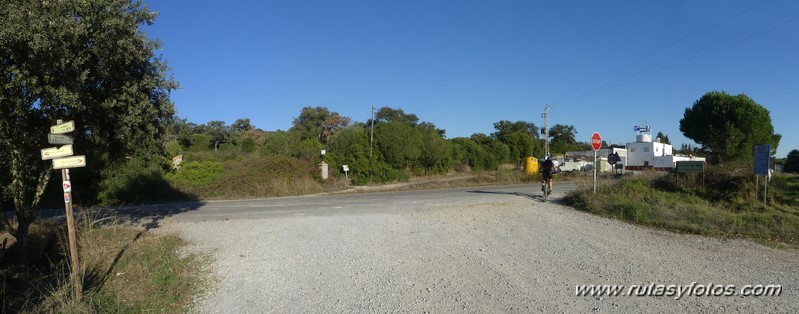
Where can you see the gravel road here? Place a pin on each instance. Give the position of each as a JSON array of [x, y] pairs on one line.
[[496, 249]]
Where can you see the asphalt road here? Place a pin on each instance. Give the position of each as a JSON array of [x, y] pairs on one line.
[[492, 249]]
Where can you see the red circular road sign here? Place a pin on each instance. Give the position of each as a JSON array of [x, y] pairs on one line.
[[596, 141]]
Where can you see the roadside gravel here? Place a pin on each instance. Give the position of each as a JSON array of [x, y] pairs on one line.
[[497, 250]]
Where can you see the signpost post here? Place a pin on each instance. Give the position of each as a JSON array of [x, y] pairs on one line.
[[690, 167], [596, 144], [762, 160], [64, 163]]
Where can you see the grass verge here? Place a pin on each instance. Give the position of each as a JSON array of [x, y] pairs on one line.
[[724, 207], [126, 270]]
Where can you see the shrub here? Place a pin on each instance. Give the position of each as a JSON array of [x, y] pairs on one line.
[[199, 173], [136, 180]]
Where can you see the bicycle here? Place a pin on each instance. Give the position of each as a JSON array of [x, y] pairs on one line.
[[546, 189]]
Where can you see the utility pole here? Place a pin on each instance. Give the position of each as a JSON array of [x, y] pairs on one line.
[[545, 115], [372, 136]]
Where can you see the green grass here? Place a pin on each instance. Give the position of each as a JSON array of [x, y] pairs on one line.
[[249, 178], [787, 187], [723, 207]]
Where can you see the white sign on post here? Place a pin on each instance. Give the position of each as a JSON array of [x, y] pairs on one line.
[[62, 128], [58, 139], [69, 162], [55, 152]]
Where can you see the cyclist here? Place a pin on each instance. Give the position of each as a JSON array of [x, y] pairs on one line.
[[548, 168]]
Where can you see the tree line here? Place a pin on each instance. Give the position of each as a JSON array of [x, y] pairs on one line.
[[392, 147]]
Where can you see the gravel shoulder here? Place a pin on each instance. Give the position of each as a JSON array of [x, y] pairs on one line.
[[462, 250]]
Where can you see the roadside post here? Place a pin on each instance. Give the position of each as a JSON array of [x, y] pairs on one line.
[[596, 144], [346, 169], [690, 167], [614, 158], [762, 160], [63, 159]]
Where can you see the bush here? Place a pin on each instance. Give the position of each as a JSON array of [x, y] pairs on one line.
[[718, 209], [198, 173], [136, 180]]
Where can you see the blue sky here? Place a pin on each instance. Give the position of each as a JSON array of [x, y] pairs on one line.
[[603, 66]]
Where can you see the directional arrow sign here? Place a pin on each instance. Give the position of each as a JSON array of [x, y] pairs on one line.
[[57, 139], [62, 128], [55, 152], [69, 162]]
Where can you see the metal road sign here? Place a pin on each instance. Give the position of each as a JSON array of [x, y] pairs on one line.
[[596, 141], [62, 128], [613, 158], [762, 158], [55, 152], [690, 166], [58, 139], [69, 162]]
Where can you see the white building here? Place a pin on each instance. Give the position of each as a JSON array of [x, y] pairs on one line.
[[639, 155], [646, 154]]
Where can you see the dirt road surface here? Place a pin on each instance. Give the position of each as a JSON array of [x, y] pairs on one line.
[[493, 249]]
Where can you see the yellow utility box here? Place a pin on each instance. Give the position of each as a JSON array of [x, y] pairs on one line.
[[530, 166]]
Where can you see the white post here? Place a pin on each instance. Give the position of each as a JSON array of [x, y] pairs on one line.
[[765, 192], [595, 164]]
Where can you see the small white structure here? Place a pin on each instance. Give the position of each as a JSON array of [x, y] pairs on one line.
[[646, 154]]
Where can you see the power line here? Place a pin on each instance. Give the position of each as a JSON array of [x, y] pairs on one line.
[[759, 30], [685, 57], [661, 49]]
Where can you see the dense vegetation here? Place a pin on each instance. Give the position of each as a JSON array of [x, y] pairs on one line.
[[401, 145], [724, 206]]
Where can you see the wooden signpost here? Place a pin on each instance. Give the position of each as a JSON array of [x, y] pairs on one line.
[[60, 158], [690, 166]]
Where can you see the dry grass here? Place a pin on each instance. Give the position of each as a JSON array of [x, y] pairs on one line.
[[126, 270], [656, 199]]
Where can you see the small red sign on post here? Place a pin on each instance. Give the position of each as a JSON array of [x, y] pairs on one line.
[[596, 141]]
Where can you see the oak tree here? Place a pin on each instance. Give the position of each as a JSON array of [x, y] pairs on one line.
[[87, 61]]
